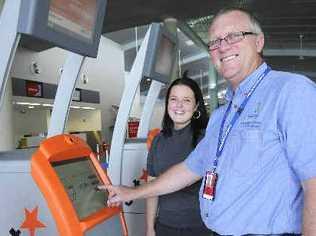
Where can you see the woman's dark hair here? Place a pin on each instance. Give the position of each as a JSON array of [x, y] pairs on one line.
[[197, 125]]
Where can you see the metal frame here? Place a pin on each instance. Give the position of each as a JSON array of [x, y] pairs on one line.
[[119, 133], [63, 98], [153, 93], [8, 26]]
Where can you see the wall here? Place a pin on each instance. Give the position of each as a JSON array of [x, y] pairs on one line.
[[83, 120], [6, 127], [104, 74], [138, 106], [29, 121]]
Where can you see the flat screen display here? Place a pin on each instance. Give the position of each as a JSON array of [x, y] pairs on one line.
[[161, 54], [73, 17], [80, 180]]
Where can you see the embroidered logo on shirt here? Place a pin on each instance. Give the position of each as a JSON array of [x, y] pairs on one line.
[[250, 120]]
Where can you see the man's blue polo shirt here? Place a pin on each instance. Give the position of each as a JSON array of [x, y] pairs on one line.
[[269, 152]]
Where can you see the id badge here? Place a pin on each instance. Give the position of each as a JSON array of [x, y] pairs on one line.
[[209, 185]]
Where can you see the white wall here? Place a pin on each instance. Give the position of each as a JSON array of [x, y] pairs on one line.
[[83, 120], [157, 115], [29, 121], [138, 107], [105, 74]]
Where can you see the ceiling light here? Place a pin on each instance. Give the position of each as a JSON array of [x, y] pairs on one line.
[[22, 103], [88, 108], [47, 105], [189, 42]]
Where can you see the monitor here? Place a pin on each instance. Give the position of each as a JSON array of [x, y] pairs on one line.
[[80, 179], [74, 25], [161, 54]]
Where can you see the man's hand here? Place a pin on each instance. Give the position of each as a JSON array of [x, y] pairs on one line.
[[174, 179], [118, 194]]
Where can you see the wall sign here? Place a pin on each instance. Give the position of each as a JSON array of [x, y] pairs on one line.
[[34, 89]]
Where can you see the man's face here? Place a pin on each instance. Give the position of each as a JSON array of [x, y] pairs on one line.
[[235, 61]]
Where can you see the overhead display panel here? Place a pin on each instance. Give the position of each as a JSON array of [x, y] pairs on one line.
[[161, 54], [74, 25]]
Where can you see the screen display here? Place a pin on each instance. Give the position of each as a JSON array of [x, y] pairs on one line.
[[164, 56], [73, 17], [80, 180]]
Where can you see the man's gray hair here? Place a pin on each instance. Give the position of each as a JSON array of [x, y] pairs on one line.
[[255, 26]]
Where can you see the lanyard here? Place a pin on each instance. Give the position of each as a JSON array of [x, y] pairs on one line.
[[222, 137]]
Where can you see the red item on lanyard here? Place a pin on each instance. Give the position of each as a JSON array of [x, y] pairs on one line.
[[209, 185]]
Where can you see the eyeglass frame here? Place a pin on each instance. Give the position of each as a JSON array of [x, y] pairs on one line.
[[218, 41]]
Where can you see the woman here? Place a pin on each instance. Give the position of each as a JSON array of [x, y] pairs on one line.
[[183, 126]]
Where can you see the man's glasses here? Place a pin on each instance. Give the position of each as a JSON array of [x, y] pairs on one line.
[[230, 38]]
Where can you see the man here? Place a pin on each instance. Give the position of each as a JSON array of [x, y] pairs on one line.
[[259, 146]]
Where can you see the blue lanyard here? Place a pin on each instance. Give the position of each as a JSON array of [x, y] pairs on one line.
[[222, 137]]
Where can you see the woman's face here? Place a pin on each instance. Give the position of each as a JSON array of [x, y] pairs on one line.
[[181, 105]]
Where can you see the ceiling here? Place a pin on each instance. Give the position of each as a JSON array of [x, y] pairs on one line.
[[289, 26], [122, 14]]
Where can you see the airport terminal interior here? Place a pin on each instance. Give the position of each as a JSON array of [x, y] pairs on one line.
[[80, 92]]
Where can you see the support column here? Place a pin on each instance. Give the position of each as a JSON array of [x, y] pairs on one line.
[[8, 29], [171, 24], [212, 88]]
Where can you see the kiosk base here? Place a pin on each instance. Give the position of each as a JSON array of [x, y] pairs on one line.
[[24, 210]]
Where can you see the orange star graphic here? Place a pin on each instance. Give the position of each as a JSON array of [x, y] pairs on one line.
[[31, 222], [144, 175]]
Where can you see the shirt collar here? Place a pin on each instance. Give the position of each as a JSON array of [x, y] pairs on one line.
[[246, 84]]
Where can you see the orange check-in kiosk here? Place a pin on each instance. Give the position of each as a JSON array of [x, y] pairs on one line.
[[67, 173]]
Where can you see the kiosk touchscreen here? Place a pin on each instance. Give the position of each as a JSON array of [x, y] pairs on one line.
[[68, 173], [80, 181]]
